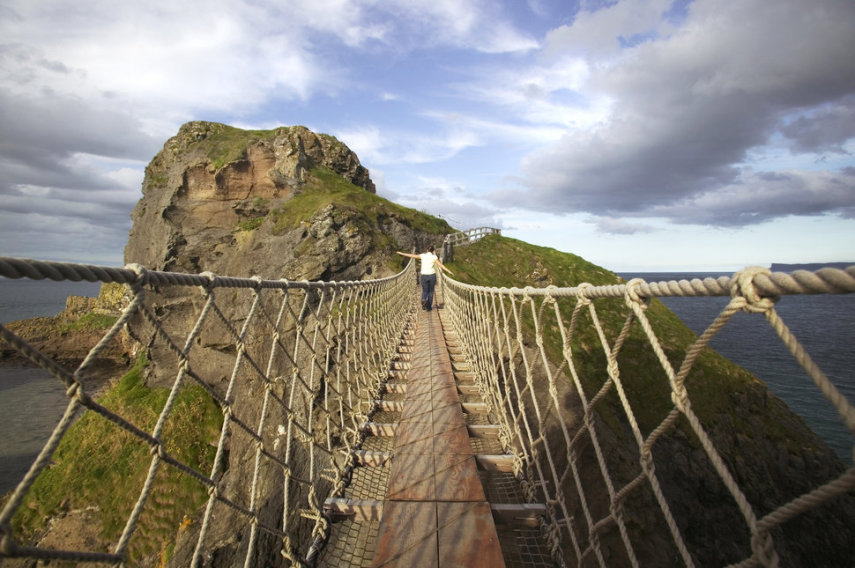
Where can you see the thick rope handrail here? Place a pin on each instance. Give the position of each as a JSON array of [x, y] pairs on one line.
[[524, 386], [824, 281], [58, 271]]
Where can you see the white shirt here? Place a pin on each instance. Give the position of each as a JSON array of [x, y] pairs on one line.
[[428, 262]]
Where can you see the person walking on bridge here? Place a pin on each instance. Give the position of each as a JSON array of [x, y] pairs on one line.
[[429, 262]]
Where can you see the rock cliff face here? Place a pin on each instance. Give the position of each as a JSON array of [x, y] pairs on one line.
[[221, 199], [284, 203]]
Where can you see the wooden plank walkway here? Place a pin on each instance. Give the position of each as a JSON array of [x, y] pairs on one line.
[[435, 513]]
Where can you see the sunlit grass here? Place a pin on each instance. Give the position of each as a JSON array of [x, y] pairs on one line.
[[99, 464]]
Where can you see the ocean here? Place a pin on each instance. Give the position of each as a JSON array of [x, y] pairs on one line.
[[23, 433], [824, 324]]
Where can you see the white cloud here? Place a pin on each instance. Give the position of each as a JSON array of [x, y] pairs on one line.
[[687, 110], [474, 24], [390, 146], [598, 33], [618, 226], [449, 200]]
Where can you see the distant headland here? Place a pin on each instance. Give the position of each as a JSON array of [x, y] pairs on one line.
[[782, 267]]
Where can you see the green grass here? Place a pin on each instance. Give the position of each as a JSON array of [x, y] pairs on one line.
[[355, 210], [98, 463], [250, 224], [229, 144], [90, 322], [500, 261]]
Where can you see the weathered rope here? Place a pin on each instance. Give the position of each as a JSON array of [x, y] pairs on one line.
[[503, 330], [310, 348], [329, 345]]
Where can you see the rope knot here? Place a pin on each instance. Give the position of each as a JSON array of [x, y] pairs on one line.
[[742, 286], [647, 464], [632, 295], [549, 298], [141, 276], [582, 293], [157, 450], [680, 398], [212, 280], [764, 547], [612, 368]]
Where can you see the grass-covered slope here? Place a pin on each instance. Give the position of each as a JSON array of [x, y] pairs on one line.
[[324, 188], [505, 262], [769, 450], [99, 469]]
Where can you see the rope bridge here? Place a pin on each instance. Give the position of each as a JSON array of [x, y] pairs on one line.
[[305, 365]]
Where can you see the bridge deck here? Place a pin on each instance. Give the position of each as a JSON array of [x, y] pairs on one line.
[[435, 512], [434, 486]]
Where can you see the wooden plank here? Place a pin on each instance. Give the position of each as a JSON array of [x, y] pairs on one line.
[[398, 388], [416, 411], [457, 478], [467, 536], [359, 510], [418, 390], [526, 514], [412, 478], [445, 394], [484, 430], [490, 462], [476, 407], [407, 537], [452, 440], [389, 405], [372, 459], [448, 415], [380, 428], [414, 438]]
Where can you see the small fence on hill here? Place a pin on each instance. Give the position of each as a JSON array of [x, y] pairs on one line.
[[464, 238]]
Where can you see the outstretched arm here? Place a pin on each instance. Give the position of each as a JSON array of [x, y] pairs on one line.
[[442, 266], [409, 255]]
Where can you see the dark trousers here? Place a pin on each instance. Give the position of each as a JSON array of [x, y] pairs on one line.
[[428, 284]]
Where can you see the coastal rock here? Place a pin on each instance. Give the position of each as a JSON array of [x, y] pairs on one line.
[[214, 198], [70, 335], [284, 203]]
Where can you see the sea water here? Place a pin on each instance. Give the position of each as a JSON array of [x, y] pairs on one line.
[[823, 323], [31, 400]]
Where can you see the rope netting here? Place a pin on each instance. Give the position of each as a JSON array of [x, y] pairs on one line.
[[567, 396], [293, 366]]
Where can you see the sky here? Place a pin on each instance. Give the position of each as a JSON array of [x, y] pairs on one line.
[[655, 135]]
